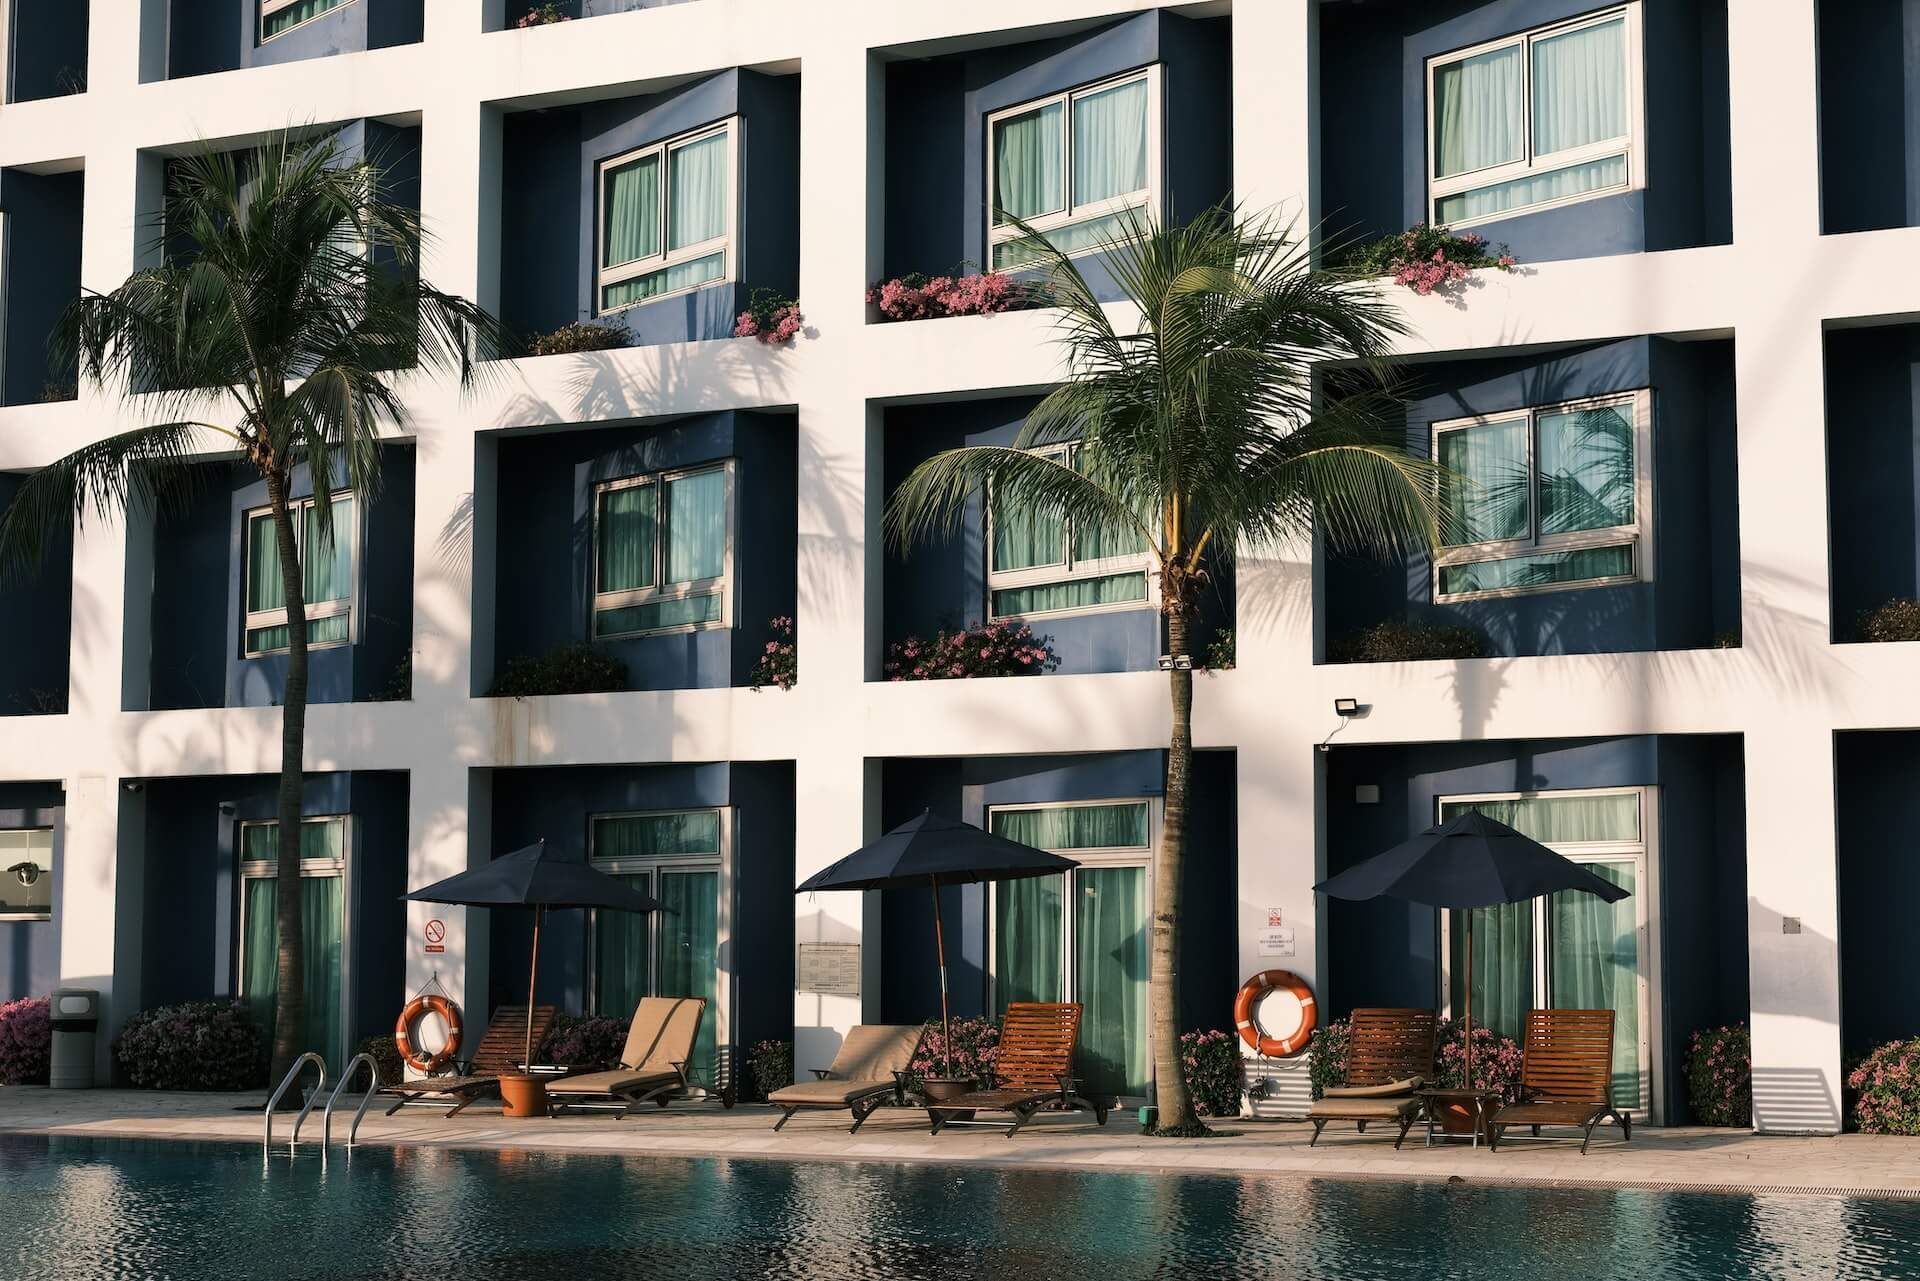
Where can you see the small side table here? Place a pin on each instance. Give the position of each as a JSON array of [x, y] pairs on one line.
[[1478, 1104]]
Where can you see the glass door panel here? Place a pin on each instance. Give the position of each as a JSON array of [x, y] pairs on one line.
[[621, 955], [689, 956], [321, 911], [1110, 972], [1502, 966], [1593, 963], [1027, 940]]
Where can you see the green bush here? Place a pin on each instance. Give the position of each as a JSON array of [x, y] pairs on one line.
[[769, 1067], [1210, 1066], [388, 1066], [1327, 1056], [1720, 1076], [196, 1045], [580, 336], [1400, 641], [570, 669], [1221, 651], [578, 1041], [1897, 620]]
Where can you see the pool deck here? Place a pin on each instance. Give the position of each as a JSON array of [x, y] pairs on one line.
[[1706, 1160]]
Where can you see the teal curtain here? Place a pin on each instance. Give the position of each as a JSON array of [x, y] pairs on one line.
[[697, 192], [631, 214], [657, 835], [1595, 965], [1095, 541], [1110, 932], [1487, 487], [1542, 569], [264, 588], [1110, 143], [696, 526], [1586, 468], [260, 842], [1026, 940], [1535, 189], [625, 536], [680, 611], [1075, 827], [1089, 233], [682, 275], [1477, 118], [689, 958], [293, 15], [1580, 87], [1029, 167], [322, 906], [326, 569], [1083, 593], [1562, 820], [620, 956], [1502, 966], [1024, 538]]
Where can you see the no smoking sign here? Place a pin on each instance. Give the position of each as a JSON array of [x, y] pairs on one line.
[[436, 935]]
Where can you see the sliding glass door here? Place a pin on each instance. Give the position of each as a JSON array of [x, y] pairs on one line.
[[323, 861]]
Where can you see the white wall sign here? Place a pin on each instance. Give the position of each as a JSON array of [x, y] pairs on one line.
[[830, 969], [1278, 942]]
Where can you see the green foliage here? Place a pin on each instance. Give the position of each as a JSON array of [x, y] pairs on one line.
[[1327, 1056], [582, 1041], [569, 669], [399, 686], [975, 1050], [196, 1045], [769, 1067], [1221, 655], [388, 1065], [1399, 641], [580, 336], [1210, 1064], [1426, 259], [1720, 1076], [1897, 620]]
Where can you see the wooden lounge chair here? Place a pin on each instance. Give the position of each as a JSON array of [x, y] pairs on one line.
[[652, 1068], [1034, 1071], [1389, 1056], [472, 1079], [1566, 1076], [866, 1072]]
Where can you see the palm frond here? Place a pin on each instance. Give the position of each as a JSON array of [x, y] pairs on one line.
[[937, 496], [143, 469]]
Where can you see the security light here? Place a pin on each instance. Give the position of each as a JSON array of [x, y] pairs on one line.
[[1346, 707]]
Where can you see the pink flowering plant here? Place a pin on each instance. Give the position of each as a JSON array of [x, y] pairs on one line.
[[1720, 1076], [770, 316], [1210, 1063], [779, 663], [998, 649], [542, 15], [1496, 1061], [1886, 1090], [196, 1045], [26, 1041], [1430, 259], [1327, 1056], [975, 1050], [582, 1041], [916, 296]]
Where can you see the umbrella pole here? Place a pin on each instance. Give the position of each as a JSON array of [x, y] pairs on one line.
[[940, 944], [533, 972], [1467, 1022]]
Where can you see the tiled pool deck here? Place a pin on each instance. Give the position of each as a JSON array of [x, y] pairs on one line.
[[1850, 1165]]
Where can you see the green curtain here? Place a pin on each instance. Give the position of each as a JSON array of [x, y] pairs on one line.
[[681, 611], [1538, 569], [1028, 165], [293, 15], [326, 563], [620, 947], [1026, 940], [260, 842], [1088, 233], [1586, 469], [1534, 189], [1110, 143], [697, 192], [1477, 112], [1110, 932], [1595, 965], [631, 214], [1094, 541], [321, 912], [1580, 87], [1082, 593], [1075, 827], [657, 835], [689, 959], [1502, 966], [625, 537], [682, 275], [1560, 820], [696, 526], [264, 588], [1488, 492], [1024, 538]]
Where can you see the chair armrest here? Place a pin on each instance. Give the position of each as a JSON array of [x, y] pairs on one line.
[[681, 1069], [900, 1079], [821, 1074]]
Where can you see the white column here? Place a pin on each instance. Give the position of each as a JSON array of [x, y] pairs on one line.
[[449, 820], [100, 901]]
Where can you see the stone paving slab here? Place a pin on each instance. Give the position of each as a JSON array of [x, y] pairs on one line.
[[1708, 1160]]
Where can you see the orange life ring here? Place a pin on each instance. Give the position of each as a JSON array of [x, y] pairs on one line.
[[403, 1033], [1274, 1047]]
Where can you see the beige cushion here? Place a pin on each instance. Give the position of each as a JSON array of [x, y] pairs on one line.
[[618, 1081], [1383, 1091], [1362, 1109], [663, 1032], [827, 1094], [874, 1052]]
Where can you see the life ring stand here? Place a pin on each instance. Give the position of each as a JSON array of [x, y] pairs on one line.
[[1274, 1047], [403, 1032]]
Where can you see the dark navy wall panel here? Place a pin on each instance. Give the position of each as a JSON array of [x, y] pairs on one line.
[[221, 35], [194, 552], [47, 49], [769, 184], [33, 657], [1873, 378], [380, 941], [1878, 811], [43, 276], [763, 930], [386, 622], [30, 950], [202, 37], [1868, 66], [540, 201], [342, 29]]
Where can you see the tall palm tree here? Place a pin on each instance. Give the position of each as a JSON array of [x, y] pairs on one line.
[[1202, 432], [287, 299]]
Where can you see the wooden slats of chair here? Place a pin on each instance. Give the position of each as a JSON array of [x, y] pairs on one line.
[[505, 1043], [1036, 1045], [1568, 1056], [1388, 1045]]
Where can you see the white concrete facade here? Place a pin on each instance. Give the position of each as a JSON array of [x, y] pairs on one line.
[[1786, 691]]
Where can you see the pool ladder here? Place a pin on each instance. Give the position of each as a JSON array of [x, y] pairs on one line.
[[293, 1074], [373, 1086]]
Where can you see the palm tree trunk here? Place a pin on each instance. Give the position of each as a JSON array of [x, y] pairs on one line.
[[1176, 1114], [290, 1002]]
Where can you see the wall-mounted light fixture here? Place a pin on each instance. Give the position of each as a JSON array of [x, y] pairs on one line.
[[1346, 707], [1176, 662]]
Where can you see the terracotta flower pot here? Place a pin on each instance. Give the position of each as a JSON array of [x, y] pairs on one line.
[[523, 1096], [939, 1089]]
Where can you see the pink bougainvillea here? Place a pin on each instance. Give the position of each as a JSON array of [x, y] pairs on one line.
[[998, 649], [976, 1048], [1496, 1061], [1886, 1090], [26, 1041], [541, 15], [920, 297], [770, 317], [779, 663], [1720, 1076], [1431, 260]]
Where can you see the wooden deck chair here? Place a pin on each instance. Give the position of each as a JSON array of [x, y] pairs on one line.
[[1566, 1076], [866, 1073], [653, 1066], [1034, 1070], [1389, 1057], [469, 1080]]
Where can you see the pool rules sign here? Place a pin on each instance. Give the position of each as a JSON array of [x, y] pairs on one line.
[[1277, 938]]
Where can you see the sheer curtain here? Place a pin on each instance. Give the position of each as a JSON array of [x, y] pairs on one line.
[[1562, 820], [326, 569], [632, 212], [696, 527], [697, 192], [620, 955], [1502, 966], [1489, 493], [1586, 469], [1110, 143], [1082, 593], [690, 952], [657, 835], [1026, 940], [626, 537], [264, 588], [321, 912], [1075, 827], [1028, 166], [1477, 117], [1596, 966], [1580, 87], [1024, 537], [1110, 931]]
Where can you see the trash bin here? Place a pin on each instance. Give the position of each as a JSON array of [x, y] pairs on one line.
[[75, 1015]]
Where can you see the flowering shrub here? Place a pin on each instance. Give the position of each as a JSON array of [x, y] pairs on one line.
[[541, 15], [769, 1066], [1220, 651], [770, 317], [1430, 259], [1496, 1061], [916, 296], [581, 335], [1897, 620], [998, 649], [196, 1045], [1398, 641], [1210, 1066], [1886, 1088], [388, 1067], [1327, 1056], [26, 1041], [1720, 1076], [976, 1047], [583, 1042], [779, 663], [569, 669]]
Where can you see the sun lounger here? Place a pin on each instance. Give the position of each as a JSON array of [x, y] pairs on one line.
[[866, 1073], [1389, 1057], [473, 1079], [652, 1067], [1566, 1076], [1034, 1071]]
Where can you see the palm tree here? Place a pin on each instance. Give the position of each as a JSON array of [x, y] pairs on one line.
[[1201, 432], [287, 299]]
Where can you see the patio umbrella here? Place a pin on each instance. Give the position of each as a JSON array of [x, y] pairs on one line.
[[1467, 862], [935, 851], [537, 878]]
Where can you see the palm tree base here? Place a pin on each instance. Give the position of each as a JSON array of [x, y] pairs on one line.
[[1195, 1130]]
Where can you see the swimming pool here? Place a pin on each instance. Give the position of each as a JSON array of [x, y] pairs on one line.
[[92, 1208]]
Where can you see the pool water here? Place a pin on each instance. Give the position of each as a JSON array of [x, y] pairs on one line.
[[90, 1208]]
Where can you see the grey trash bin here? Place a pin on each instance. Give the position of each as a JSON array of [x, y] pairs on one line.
[[75, 1015]]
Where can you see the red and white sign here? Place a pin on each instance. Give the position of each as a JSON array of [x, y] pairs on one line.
[[1273, 918], [436, 935]]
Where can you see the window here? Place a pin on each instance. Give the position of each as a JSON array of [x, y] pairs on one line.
[[1545, 498], [666, 217], [26, 875], [1043, 563], [663, 552], [1072, 165], [1541, 118], [277, 16], [326, 575], [323, 867], [679, 857], [1082, 935]]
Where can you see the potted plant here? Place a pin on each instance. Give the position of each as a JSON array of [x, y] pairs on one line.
[[941, 1070]]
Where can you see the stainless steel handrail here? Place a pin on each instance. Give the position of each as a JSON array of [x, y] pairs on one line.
[[346, 1075], [293, 1073]]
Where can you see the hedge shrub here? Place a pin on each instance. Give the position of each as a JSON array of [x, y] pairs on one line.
[[769, 1067], [26, 1041], [576, 1041], [1897, 620], [196, 1045], [1399, 641], [1720, 1076], [570, 669], [1886, 1089], [577, 337]]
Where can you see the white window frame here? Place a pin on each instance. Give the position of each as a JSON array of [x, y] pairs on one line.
[[725, 980], [1638, 535], [1646, 854], [1069, 570], [999, 233], [250, 620], [724, 243], [1632, 146], [721, 586], [270, 7], [52, 868], [310, 869]]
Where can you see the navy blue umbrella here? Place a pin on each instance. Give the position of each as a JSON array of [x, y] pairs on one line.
[[931, 850], [537, 878], [1467, 862]]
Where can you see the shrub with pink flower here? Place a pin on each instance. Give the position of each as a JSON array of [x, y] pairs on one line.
[[779, 663], [541, 15], [916, 296], [770, 316], [1430, 259], [998, 649], [1496, 1061], [1886, 1090], [976, 1048], [1210, 1066], [26, 1041], [1720, 1076]]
